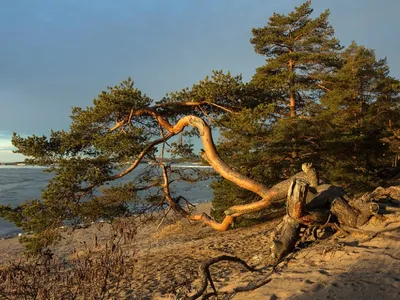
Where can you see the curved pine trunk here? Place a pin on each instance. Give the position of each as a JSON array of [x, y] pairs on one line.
[[278, 191]]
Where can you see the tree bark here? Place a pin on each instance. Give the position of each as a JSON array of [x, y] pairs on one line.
[[285, 242], [292, 99], [296, 201], [354, 213], [344, 212], [286, 239]]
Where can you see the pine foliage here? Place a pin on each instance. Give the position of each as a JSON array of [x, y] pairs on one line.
[[312, 100]]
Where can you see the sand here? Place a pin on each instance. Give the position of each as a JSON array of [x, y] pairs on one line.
[[168, 259]]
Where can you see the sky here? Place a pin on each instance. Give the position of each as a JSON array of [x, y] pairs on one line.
[[58, 54]]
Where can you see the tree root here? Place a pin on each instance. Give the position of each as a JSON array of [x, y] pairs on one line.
[[205, 275], [371, 234], [376, 233]]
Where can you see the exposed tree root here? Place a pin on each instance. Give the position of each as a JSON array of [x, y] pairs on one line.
[[289, 234], [372, 235], [253, 285], [205, 275]]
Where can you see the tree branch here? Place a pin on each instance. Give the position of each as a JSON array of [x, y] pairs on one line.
[[267, 195]]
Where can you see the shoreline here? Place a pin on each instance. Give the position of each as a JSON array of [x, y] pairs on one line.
[[18, 232], [11, 248], [10, 235], [17, 189]]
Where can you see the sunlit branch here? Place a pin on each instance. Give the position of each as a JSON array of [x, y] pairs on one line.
[[214, 160], [152, 111]]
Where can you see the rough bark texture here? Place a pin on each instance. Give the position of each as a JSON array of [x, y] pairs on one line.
[[296, 200], [344, 212], [287, 239], [290, 226], [315, 209], [365, 210]]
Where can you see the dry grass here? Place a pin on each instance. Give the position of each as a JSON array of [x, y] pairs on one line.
[[95, 272], [173, 229]]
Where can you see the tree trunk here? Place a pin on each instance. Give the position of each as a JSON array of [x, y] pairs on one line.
[[344, 212], [292, 107], [354, 214], [298, 213], [286, 239], [292, 99]]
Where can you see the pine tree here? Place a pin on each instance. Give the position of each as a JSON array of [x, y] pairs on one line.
[[308, 102], [107, 141], [278, 131], [361, 100], [300, 52]]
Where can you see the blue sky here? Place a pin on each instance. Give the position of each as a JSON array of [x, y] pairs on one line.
[[59, 54]]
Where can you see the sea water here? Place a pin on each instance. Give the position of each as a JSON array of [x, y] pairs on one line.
[[21, 183]]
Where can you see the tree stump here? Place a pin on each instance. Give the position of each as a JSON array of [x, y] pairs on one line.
[[330, 200], [287, 233], [296, 198]]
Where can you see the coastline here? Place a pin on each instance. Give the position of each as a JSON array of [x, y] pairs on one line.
[[11, 248], [17, 232], [18, 183]]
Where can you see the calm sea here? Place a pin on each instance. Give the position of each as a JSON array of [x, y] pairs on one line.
[[19, 183]]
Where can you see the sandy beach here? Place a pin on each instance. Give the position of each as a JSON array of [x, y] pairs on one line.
[[167, 261]]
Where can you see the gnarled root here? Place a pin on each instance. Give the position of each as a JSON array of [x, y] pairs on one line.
[[277, 192], [205, 275]]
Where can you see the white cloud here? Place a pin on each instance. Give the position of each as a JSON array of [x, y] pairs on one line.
[[5, 143], [6, 149], [9, 156]]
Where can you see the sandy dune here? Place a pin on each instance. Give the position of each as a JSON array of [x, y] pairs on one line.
[[168, 259]]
